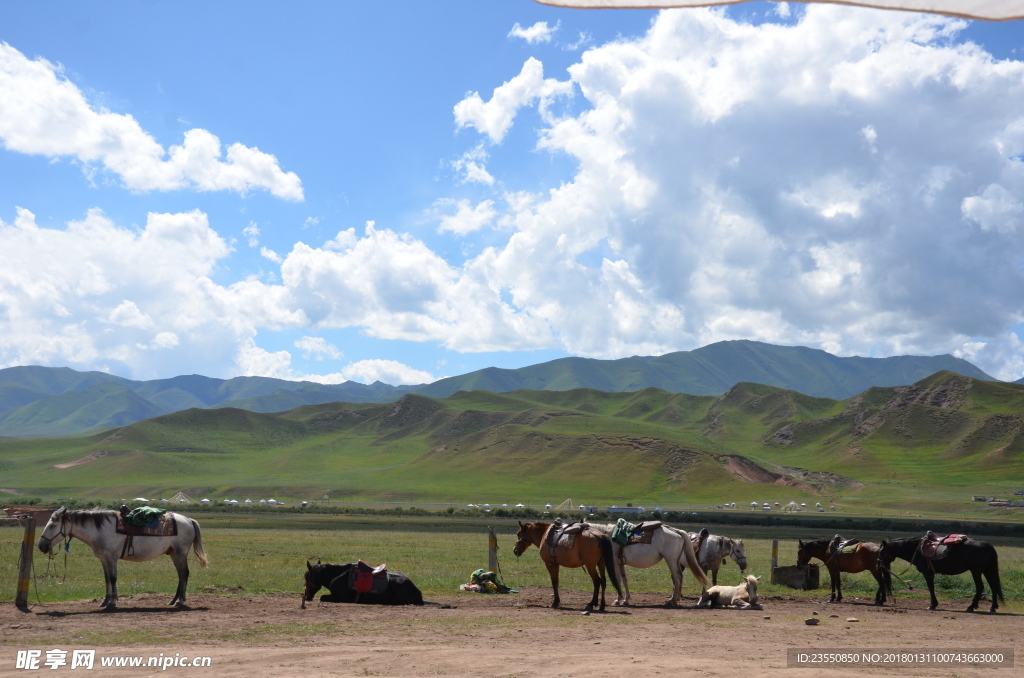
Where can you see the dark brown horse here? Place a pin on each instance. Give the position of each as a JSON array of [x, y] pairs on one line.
[[590, 549], [971, 554], [864, 557]]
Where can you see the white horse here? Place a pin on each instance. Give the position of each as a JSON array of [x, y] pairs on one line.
[[715, 549], [98, 529], [743, 596], [668, 544]]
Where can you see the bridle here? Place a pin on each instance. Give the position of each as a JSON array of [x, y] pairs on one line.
[[62, 535]]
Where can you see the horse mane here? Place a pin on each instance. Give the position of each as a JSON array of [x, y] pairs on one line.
[[97, 516], [817, 543]]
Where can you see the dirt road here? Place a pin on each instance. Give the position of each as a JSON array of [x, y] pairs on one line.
[[514, 635]]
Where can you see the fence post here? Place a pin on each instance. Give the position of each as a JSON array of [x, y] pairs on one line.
[[775, 558], [492, 550], [25, 573]]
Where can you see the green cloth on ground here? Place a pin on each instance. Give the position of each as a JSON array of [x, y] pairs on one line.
[[621, 532], [490, 581], [144, 515]]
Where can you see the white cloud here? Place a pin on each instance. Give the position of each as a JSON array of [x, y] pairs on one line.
[[466, 218], [271, 255], [317, 348], [539, 32], [252, 234], [387, 371], [494, 117], [799, 183], [849, 181], [473, 168], [44, 113], [135, 300], [310, 221], [996, 209], [256, 362]]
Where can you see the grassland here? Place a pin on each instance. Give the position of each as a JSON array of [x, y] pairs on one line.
[[920, 450]]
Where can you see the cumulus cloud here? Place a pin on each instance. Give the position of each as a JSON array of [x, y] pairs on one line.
[[138, 300], [849, 179], [387, 371], [466, 218], [252, 234], [495, 117], [44, 113], [537, 33], [473, 167], [317, 348], [270, 255]]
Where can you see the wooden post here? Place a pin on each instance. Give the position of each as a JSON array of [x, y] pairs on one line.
[[25, 573], [775, 558], [492, 549]]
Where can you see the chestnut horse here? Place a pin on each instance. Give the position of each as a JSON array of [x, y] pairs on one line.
[[864, 557], [590, 549]]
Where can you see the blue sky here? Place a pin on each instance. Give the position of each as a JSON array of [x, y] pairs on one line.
[[404, 192]]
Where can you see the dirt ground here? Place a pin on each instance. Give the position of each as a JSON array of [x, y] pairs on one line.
[[493, 635]]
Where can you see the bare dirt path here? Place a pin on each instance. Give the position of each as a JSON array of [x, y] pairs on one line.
[[513, 635]]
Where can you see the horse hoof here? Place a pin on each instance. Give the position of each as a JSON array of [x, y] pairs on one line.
[[933, 607]]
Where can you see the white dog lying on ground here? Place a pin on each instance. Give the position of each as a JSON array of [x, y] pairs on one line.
[[743, 597]]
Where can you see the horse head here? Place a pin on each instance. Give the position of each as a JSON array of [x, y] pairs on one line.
[[885, 554], [525, 537], [802, 556], [54, 530], [739, 554], [313, 583]]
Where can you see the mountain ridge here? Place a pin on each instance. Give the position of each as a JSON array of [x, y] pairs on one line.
[[35, 400]]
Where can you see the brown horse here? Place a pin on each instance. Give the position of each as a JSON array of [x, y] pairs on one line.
[[864, 557], [590, 549]]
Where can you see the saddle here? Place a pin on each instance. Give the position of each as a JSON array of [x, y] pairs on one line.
[[697, 538], [839, 546], [368, 579], [934, 547], [562, 534], [163, 525], [626, 533]]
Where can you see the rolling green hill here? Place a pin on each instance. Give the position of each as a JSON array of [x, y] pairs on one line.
[[924, 447], [28, 395], [713, 370]]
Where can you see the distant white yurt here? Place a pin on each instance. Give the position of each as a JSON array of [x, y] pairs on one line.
[[204, 500], [520, 505], [263, 501], [547, 506], [271, 501], [140, 499], [248, 502]]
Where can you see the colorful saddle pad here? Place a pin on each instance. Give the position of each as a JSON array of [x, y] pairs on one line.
[[368, 579], [162, 526]]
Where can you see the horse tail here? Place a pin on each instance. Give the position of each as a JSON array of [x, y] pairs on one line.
[[197, 544], [691, 561], [993, 577], [609, 561]]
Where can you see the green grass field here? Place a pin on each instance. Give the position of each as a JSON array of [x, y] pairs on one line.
[[257, 555]]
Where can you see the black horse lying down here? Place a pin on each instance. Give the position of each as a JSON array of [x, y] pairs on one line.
[[337, 578]]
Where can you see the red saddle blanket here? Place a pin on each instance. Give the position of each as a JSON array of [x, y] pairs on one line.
[[368, 579], [162, 526], [937, 548]]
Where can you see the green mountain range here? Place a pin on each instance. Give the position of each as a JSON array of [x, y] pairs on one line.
[[924, 447], [60, 401]]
